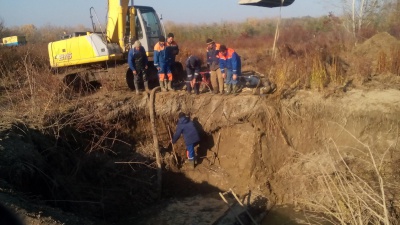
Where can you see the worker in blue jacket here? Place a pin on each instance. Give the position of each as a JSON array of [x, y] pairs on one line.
[[190, 134], [162, 59], [231, 67], [137, 60]]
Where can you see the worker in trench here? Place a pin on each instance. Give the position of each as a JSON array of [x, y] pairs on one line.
[[186, 127]]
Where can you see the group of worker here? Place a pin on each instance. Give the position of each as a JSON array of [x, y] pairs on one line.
[[165, 52], [224, 65]]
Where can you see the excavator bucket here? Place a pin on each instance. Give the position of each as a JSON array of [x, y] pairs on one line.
[[266, 3]]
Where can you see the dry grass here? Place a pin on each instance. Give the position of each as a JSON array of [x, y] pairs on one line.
[[305, 60], [31, 93], [347, 185], [395, 62], [318, 77]]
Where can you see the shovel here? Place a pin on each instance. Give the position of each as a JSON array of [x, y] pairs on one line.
[[173, 148]]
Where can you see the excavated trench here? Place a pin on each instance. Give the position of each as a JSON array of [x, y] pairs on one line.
[[250, 144]]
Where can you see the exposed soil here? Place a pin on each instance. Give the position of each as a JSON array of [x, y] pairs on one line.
[[252, 144]]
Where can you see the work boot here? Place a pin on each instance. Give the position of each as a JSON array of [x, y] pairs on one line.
[[166, 85], [169, 84], [146, 87], [196, 89], [190, 164], [235, 90], [162, 86], [188, 88], [136, 88], [221, 88], [228, 89], [225, 86]]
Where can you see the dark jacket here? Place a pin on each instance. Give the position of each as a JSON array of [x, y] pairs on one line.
[[172, 51], [186, 127], [193, 64], [137, 59], [213, 58]]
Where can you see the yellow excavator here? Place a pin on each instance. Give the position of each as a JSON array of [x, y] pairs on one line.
[[125, 25]]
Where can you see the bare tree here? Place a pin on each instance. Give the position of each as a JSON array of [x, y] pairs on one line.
[[1, 26], [361, 13]]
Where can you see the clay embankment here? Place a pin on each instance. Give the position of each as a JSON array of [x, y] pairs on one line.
[[258, 143], [260, 146]]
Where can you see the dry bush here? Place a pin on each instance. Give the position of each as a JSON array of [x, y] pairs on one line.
[[395, 62], [30, 92], [389, 63], [26, 82], [348, 184], [312, 52], [318, 76]]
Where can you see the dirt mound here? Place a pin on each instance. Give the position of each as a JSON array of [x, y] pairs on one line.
[[376, 45]]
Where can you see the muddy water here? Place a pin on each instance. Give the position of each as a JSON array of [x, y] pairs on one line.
[[197, 210], [212, 210], [284, 215]]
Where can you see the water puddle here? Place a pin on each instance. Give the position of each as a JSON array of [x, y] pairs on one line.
[[197, 210], [212, 210]]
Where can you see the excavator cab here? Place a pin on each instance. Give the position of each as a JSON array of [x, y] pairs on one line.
[[147, 27]]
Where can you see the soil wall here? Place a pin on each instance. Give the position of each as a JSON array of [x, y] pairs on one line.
[[258, 144], [251, 144]]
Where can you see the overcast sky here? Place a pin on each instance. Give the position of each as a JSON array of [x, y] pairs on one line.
[[76, 12]]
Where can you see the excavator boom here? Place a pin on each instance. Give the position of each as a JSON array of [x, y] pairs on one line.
[[116, 21]]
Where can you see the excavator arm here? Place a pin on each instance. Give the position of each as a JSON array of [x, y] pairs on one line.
[[116, 21]]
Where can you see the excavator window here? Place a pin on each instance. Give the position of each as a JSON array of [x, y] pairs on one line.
[[148, 27]]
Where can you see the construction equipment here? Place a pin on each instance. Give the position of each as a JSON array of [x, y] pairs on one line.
[[13, 41], [125, 24]]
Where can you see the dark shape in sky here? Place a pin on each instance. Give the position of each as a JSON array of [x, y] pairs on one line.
[[266, 3]]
